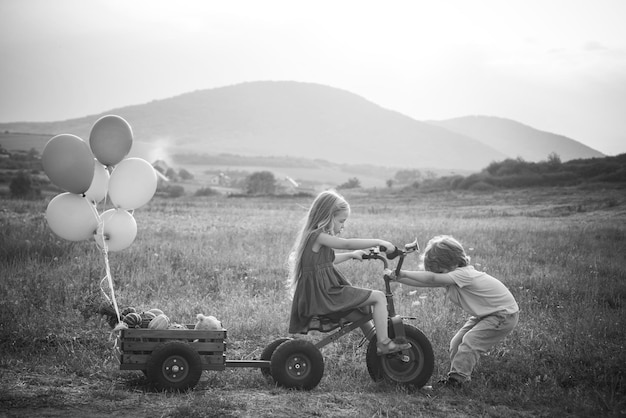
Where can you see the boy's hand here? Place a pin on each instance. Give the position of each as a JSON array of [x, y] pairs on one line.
[[391, 274]]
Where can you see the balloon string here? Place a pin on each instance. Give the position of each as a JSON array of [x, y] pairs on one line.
[[105, 254]]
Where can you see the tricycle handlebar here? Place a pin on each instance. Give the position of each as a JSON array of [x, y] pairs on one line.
[[375, 253]]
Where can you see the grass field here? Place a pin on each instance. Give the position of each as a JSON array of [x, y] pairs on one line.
[[560, 252]]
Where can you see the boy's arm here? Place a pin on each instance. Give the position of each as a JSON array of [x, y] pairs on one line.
[[424, 278]]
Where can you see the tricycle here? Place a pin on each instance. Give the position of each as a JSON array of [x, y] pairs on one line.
[[173, 360]]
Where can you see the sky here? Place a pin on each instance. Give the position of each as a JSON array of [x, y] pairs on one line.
[[555, 65]]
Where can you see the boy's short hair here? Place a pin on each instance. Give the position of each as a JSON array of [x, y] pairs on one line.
[[444, 253]]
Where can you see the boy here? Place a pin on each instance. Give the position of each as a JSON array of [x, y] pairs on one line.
[[493, 308]]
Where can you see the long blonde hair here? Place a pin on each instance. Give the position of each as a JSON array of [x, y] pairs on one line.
[[320, 217]]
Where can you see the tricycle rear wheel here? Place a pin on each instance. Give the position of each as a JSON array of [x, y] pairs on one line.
[[174, 366], [297, 364], [267, 355]]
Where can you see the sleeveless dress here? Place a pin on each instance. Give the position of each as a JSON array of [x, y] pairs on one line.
[[322, 290]]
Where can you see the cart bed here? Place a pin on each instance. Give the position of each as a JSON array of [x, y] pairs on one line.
[[137, 345]]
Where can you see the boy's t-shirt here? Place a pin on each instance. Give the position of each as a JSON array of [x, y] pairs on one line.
[[480, 294]]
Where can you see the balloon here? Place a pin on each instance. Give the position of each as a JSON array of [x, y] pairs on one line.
[[72, 217], [68, 162], [99, 185], [118, 228], [133, 183], [110, 139]]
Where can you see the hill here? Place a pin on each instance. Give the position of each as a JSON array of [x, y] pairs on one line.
[[301, 120], [517, 140]]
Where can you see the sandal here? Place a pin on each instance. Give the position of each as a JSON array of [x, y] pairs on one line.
[[391, 347]]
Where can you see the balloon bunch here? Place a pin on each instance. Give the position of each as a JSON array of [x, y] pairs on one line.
[[90, 172]]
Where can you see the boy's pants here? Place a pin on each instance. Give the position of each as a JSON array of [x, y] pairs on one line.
[[477, 336]]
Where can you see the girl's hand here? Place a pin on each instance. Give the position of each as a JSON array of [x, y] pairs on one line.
[[358, 254], [389, 247]]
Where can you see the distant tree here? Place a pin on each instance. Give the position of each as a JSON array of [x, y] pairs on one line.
[[554, 161], [171, 174], [389, 183], [22, 186], [261, 183], [184, 174], [352, 183], [33, 154], [407, 176]]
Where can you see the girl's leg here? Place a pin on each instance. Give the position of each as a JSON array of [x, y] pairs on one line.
[[384, 345], [378, 301]]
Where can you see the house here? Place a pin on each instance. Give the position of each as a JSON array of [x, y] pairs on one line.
[[220, 179]]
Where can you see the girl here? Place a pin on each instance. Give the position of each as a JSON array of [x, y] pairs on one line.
[[318, 287], [493, 308]]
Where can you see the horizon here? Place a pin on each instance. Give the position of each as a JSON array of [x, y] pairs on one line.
[[558, 67]]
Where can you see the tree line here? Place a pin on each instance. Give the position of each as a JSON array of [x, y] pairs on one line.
[[518, 173], [24, 173]]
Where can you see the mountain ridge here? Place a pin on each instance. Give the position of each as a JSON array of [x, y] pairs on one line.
[[517, 139], [308, 120]]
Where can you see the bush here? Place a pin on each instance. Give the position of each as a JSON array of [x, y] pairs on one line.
[[184, 174], [481, 186], [170, 191], [353, 183], [618, 176], [205, 191], [22, 186], [261, 183]]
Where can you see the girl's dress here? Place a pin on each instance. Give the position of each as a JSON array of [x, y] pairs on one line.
[[322, 290]]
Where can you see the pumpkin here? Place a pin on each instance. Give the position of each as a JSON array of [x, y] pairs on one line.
[[160, 322], [146, 318], [156, 311], [133, 320], [128, 310]]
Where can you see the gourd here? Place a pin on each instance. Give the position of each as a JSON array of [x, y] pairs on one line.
[[159, 322], [128, 310], [155, 311], [146, 318], [133, 320]]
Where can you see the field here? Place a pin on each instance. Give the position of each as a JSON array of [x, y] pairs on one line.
[[560, 252]]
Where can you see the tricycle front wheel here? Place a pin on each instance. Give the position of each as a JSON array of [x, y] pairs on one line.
[[412, 367], [174, 366]]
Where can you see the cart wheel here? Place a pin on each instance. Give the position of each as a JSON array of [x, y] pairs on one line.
[[174, 366], [267, 355], [412, 369], [297, 364]]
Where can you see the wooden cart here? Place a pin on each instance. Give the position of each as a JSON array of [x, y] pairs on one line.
[[174, 359]]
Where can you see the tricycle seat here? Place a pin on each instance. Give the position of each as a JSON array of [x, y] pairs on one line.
[[331, 321]]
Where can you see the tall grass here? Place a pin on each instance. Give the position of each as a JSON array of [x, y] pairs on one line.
[[226, 257]]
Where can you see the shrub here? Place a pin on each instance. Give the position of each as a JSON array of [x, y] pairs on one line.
[[261, 183], [353, 183], [205, 191], [481, 186], [22, 186], [171, 190]]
